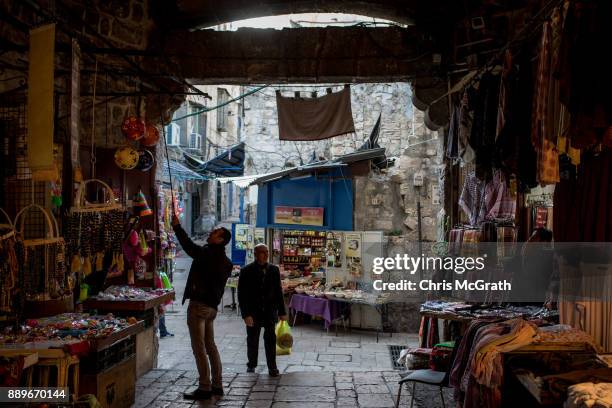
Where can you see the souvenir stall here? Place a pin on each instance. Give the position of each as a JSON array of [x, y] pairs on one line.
[[531, 157], [126, 284], [323, 262], [98, 256]]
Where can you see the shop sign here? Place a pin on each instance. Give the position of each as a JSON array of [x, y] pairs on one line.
[[299, 215]]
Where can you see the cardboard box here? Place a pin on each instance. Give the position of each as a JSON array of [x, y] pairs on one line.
[[147, 345], [114, 387]]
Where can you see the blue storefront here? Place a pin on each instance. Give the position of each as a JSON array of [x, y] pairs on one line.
[[331, 190]]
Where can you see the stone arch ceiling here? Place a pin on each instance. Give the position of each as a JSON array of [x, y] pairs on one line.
[[436, 15], [433, 25]]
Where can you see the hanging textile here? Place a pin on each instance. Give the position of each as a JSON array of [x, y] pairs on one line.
[[484, 102], [498, 200], [315, 118], [471, 198], [483, 376], [585, 80], [40, 103], [582, 204]]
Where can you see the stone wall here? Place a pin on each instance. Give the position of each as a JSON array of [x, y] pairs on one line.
[[267, 153], [385, 200]]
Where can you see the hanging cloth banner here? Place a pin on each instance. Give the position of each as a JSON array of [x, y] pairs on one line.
[[315, 118], [40, 103], [75, 104]]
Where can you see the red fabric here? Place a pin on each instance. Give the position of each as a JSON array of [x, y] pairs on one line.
[[10, 371], [541, 217], [78, 349]]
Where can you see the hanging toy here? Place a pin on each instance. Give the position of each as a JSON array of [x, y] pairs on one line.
[[133, 128], [133, 252], [120, 263], [56, 194], [87, 266], [99, 262], [114, 268], [144, 247], [141, 208], [76, 264]]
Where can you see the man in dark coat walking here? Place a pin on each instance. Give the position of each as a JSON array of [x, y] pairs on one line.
[[205, 286], [260, 296]]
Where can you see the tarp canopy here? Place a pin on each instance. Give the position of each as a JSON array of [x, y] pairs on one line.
[[229, 163], [180, 172]]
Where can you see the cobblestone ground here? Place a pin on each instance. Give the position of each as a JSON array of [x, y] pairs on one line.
[[323, 370]]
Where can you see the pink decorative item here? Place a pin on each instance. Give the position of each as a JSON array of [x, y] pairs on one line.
[[133, 238]]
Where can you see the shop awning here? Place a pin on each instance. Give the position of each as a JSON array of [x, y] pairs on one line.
[[180, 172], [338, 162], [242, 181], [229, 163]]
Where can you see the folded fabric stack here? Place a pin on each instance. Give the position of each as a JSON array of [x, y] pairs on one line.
[[589, 395], [562, 333]]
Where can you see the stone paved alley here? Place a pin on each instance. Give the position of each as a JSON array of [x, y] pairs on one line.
[[323, 371]]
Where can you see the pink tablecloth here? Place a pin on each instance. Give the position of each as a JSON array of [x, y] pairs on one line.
[[329, 310]]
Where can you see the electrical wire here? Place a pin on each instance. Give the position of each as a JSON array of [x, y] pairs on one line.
[[204, 110]]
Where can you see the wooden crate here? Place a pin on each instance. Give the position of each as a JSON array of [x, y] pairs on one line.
[[147, 346], [115, 387]]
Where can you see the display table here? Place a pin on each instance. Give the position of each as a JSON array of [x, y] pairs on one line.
[[147, 343], [121, 306], [381, 306], [81, 363], [329, 310]]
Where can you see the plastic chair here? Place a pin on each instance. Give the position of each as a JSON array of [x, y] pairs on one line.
[[63, 366]]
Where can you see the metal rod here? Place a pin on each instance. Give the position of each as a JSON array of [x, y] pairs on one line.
[[141, 93], [161, 122]]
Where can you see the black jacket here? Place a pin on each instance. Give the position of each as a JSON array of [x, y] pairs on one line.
[[260, 294], [209, 270]]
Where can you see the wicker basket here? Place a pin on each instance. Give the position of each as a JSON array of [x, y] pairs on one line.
[[52, 235], [82, 205], [10, 226]]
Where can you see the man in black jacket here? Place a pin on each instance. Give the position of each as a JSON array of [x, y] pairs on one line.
[[204, 289], [260, 296]]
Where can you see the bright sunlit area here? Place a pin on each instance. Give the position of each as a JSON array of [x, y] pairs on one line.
[[305, 20]]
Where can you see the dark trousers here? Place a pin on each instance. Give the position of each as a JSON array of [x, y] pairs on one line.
[[269, 345]]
